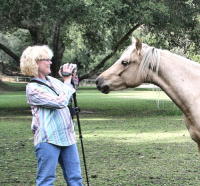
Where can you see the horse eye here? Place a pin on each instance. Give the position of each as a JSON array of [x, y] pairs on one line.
[[125, 63]]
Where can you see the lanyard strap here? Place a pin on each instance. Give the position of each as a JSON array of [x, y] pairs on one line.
[[39, 82]]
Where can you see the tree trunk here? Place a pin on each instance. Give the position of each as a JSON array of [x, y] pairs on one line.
[[37, 36], [57, 46], [58, 49]]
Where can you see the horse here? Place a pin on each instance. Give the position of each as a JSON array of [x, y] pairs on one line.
[[177, 76]]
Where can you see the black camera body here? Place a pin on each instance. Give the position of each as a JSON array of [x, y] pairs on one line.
[[66, 74]]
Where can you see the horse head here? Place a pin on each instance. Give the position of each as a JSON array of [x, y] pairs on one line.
[[124, 72]]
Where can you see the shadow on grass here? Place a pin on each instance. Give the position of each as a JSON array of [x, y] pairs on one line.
[[15, 111], [131, 111]]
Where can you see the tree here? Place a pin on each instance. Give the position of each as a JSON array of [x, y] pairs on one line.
[[95, 30], [46, 22], [115, 21]]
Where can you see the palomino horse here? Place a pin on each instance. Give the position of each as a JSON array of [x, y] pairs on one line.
[[177, 76]]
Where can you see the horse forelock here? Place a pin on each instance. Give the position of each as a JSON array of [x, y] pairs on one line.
[[128, 52]]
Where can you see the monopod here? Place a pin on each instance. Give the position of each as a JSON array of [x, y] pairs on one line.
[[80, 136]]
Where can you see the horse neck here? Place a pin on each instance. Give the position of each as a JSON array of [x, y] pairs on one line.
[[179, 78]]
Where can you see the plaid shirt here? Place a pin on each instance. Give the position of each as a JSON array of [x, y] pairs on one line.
[[51, 121]]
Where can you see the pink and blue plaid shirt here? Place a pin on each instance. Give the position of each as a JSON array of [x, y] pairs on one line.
[[51, 121]]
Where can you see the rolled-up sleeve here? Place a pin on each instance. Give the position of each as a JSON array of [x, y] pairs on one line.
[[40, 96]]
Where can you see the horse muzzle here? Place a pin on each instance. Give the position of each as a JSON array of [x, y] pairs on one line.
[[101, 86]]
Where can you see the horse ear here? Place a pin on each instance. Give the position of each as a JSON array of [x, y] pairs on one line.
[[133, 40], [138, 45]]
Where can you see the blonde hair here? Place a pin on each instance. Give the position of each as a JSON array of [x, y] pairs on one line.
[[30, 56]]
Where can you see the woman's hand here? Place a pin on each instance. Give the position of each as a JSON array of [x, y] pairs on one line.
[[67, 69]]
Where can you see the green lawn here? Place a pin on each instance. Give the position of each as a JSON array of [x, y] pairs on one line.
[[129, 140]]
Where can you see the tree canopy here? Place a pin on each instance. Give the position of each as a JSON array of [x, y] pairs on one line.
[[90, 32]]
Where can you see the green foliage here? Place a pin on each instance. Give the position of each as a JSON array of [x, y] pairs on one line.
[[167, 25], [91, 29], [183, 47], [38, 13]]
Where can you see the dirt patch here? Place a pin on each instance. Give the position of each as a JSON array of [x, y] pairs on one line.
[[87, 112]]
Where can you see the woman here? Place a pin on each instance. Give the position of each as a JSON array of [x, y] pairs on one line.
[[52, 125]]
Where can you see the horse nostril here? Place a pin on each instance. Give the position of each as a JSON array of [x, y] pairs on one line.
[[105, 89], [101, 86]]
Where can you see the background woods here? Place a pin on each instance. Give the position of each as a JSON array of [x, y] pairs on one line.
[[90, 33]]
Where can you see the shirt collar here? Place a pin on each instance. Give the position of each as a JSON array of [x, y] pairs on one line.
[[42, 80]]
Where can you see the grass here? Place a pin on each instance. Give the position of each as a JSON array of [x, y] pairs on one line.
[[128, 140]]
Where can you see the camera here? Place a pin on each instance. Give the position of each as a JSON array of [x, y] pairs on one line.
[[67, 73]]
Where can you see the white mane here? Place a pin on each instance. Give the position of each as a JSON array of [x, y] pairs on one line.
[[150, 61]]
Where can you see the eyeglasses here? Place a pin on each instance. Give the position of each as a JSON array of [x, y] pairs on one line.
[[44, 60]]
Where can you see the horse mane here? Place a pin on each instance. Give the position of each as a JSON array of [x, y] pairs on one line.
[[150, 61]]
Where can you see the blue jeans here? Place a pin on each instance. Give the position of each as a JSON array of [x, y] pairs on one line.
[[48, 156]]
